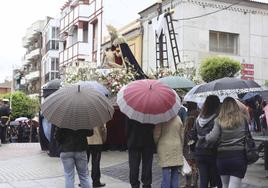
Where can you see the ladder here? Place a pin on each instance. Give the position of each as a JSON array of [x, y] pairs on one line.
[[161, 46], [161, 52]]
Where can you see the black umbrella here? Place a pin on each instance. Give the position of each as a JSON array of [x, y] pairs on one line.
[[51, 87], [227, 86]]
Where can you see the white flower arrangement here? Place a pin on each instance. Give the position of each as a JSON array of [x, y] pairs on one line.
[[114, 79]]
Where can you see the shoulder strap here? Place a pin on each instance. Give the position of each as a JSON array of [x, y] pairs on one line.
[[247, 133]]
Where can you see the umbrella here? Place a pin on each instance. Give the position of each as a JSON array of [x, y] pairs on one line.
[[148, 101], [51, 86], [33, 123], [95, 85], [21, 119], [227, 86], [264, 95], [192, 97], [176, 82], [249, 96], [14, 123], [77, 108]]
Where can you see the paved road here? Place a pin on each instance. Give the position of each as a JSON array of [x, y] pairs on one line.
[[25, 166]]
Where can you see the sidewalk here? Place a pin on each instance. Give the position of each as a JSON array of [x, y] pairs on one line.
[[26, 166]]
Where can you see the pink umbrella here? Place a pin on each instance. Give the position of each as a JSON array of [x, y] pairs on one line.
[[148, 101]]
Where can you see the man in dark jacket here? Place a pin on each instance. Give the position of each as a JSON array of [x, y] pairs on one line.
[[73, 153], [141, 147]]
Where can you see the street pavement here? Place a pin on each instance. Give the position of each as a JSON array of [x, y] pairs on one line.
[[26, 166]]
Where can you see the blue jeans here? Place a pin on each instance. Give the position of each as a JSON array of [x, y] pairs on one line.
[[170, 177], [78, 160]]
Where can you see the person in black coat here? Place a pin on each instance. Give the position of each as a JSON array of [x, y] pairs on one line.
[[141, 147], [73, 154], [4, 118], [206, 154]]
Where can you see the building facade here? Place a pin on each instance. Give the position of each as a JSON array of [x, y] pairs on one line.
[[5, 87], [31, 69], [238, 29], [50, 50], [80, 32]]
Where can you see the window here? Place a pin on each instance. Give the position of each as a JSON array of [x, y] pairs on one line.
[[52, 45], [54, 64], [55, 32], [223, 42]]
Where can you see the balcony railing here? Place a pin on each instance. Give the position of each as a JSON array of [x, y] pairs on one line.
[[32, 75], [82, 12], [76, 51], [33, 54]]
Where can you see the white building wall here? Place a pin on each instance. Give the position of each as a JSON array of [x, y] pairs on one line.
[[47, 56], [193, 35]]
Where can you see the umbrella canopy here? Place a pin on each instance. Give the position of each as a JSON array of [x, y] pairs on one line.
[[227, 86], [249, 95], [21, 119], [176, 82], [192, 97], [77, 108], [148, 101], [95, 85], [51, 86], [14, 123], [264, 95]]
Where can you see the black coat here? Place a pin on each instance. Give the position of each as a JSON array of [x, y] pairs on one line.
[[73, 141], [139, 135]]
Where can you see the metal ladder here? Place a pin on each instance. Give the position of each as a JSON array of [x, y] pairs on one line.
[[161, 46], [161, 52]]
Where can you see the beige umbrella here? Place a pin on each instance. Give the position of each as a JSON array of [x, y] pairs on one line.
[[76, 108]]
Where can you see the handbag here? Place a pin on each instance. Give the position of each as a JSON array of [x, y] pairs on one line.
[[252, 153], [186, 168]]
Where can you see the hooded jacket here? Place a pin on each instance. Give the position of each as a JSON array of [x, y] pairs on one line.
[[201, 128]]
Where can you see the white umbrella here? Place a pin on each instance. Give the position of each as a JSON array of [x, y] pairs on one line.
[[21, 119]]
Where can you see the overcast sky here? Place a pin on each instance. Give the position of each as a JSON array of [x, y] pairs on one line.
[[17, 15]]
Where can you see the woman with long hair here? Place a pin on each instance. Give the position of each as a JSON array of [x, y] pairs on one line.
[[205, 154], [229, 133]]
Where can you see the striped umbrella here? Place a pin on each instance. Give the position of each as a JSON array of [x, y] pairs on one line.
[[148, 101], [77, 108]]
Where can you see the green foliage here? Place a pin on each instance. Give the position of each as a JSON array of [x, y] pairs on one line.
[[22, 105], [214, 67], [266, 83]]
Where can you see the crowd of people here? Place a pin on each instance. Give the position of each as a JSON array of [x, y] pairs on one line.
[[211, 139], [16, 131]]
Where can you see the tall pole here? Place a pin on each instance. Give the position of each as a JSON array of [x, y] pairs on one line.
[[159, 10]]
